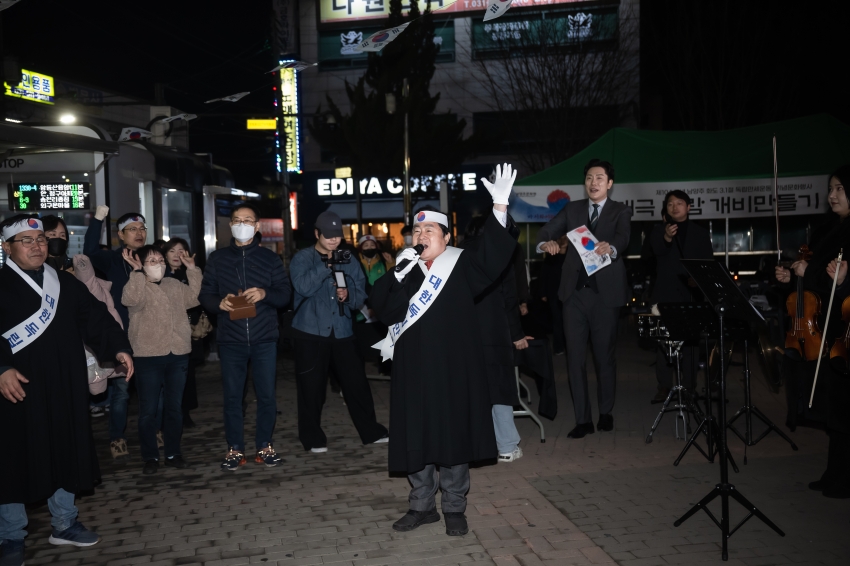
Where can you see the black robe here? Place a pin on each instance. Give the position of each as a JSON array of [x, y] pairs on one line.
[[440, 409], [497, 315], [48, 435]]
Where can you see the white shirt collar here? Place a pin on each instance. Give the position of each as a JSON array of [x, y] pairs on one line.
[[590, 204]]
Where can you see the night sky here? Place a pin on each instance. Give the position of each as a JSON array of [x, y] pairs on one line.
[[788, 63]]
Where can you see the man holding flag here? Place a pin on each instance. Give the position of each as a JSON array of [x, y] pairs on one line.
[[440, 413]]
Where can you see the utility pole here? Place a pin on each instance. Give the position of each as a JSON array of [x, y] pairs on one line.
[[408, 213], [281, 40]]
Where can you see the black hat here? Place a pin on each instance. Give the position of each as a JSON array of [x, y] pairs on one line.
[[329, 224]]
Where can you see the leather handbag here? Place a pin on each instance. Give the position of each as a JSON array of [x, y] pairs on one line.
[[242, 308]]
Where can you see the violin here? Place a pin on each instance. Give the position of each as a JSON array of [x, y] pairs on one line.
[[803, 306]]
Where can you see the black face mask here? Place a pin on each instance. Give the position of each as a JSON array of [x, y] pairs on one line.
[[370, 253], [57, 247]]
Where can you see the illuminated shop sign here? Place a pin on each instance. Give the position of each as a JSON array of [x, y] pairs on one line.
[[395, 186], [33, 86], [289, 108], [30, 197], [335, 11]]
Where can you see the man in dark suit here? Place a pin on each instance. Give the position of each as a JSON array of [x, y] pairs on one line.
[[592, 303], [678, 238]]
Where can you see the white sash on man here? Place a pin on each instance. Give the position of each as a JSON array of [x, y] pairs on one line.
[[29, 330], [419, 303]]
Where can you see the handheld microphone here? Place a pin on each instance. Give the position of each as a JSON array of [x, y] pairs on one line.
[[418, 248]]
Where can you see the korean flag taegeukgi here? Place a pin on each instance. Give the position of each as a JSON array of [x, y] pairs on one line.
[[380, 39]]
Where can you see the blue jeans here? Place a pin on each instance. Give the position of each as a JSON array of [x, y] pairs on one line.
[[119, 398], [507, 437], [160, 377], [13, 516], [234, 372]]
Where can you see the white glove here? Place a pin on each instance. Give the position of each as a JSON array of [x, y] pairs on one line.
[[407, 253], [101, 212], [501, 189]]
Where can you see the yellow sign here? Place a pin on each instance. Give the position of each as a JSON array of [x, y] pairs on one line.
[[33, 86], [342, 172], [336, 11], [289, 108], [262, 124]]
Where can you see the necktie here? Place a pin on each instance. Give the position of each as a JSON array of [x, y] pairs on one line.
[[594, 218], [429, 263]]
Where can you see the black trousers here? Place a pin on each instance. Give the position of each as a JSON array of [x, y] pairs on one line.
[[312, 360]]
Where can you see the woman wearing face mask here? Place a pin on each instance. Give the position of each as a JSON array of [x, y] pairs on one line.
[[174, 250], [374, 261], [56, 232], [161, 338]]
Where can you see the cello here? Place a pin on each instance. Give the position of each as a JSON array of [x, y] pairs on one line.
[[803, 306]]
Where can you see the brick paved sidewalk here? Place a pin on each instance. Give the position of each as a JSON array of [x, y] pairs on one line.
[[609, 498]]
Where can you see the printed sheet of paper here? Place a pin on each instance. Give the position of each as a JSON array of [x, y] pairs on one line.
[[585, 242]]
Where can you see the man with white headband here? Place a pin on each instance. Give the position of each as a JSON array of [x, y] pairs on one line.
[[133, 234], [440, 411], [44, 397]]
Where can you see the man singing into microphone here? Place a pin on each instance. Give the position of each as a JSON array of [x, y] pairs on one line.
[[677, 239], [440, 412]]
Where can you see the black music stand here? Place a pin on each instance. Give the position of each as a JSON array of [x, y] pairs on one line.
[[694, 322], [728, 301]]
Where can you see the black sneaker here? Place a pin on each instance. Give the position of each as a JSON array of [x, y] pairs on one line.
[[12, 553], [456, 524], [413, 519], [151, 466], [175, 462]]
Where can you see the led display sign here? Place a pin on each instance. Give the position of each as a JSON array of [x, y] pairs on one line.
[[289, 107], [31, 197]]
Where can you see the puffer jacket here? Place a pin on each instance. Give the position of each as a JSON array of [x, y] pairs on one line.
[[158, 322], [242, 267]]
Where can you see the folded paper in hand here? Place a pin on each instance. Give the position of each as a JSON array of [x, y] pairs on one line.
[[585, 242], [242, 308]]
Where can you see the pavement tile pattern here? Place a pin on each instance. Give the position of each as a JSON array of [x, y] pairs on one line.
[[606, 499]]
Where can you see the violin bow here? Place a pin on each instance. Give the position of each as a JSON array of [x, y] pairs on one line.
[[776, 201], [826, 326]]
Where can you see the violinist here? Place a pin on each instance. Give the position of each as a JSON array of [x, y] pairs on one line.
[[827, 239], [835, 481]]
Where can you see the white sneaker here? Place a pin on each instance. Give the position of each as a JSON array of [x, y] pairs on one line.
[[321, 450], [511, 456], [382, 440], [97, 411]]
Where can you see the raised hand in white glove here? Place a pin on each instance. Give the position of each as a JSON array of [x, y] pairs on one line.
[[407, 253], [501, 189], [101, 212]]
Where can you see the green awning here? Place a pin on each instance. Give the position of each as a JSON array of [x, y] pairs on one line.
[[814, 145]]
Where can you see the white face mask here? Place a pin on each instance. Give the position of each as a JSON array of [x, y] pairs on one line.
[[242, 232], [408, 240], [155, 272]]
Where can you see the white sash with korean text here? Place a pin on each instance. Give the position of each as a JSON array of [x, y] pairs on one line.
[[432, 286], [29, 330]]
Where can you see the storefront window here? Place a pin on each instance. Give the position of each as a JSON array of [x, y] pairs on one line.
[[177, 215]]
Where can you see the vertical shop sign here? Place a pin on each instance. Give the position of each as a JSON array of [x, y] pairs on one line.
[[289, 108]]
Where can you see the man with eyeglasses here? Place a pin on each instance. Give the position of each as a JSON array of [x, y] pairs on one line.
[[45, 318], [247, 269], [133, 233]]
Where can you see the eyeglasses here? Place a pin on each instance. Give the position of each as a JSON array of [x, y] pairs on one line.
[[250, 223], [159, 261], [28, 241], [136, 229]]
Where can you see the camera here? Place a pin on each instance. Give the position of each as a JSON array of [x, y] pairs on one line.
[[338, 256]]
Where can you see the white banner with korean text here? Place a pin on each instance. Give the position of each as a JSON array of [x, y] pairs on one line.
[[725, 198]]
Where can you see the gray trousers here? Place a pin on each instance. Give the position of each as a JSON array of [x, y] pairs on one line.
[[453, 481], [585, 317]]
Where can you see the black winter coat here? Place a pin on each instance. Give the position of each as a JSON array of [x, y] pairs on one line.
[[243, 267]]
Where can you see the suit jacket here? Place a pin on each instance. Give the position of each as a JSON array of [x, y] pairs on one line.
[[671, 278], [614, 226]]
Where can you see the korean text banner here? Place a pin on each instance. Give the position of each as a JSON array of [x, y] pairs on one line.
[[742, 198], [33, 86], [334, 11]]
